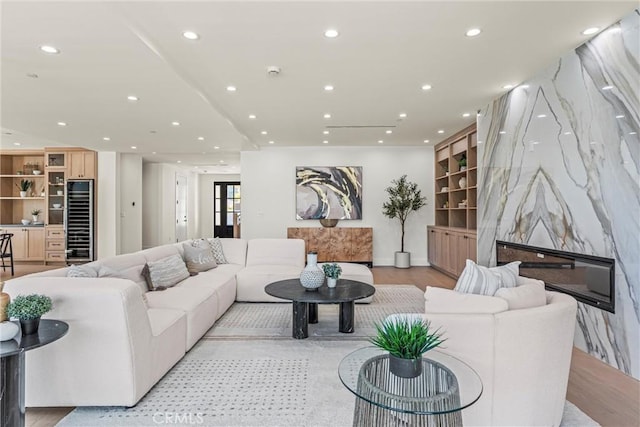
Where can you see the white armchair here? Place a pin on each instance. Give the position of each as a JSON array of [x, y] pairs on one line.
[[522, 355]]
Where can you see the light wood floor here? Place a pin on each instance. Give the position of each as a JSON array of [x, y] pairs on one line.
[[604, 393]]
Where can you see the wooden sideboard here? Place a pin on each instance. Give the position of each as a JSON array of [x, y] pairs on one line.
[[337, 244]]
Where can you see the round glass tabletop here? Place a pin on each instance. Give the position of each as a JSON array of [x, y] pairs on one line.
[[445, 385]]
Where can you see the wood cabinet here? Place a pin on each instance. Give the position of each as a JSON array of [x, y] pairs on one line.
[[27, 243], [337, 244], [55, 243], [82, 164], [16, 167], [449, 249]]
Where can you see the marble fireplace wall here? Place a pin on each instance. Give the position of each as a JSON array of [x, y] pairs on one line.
[[559, 168]]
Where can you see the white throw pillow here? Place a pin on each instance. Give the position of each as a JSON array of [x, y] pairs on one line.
[[524, 296], [216, 248], [508, 274], [476, 279]]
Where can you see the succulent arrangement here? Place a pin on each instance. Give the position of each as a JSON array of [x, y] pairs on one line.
[[24, 185], [29, 307], [406, 338], [332, 271], [36, 212]]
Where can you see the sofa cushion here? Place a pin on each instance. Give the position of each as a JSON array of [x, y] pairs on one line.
[[270, 252], [160, 252], [447, 301], [198, 259], [81, 271], [235, 250], [218, 251], [165, 272], [480, 280], [129, 266], [524, 296]]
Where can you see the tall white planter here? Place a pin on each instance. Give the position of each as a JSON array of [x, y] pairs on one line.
[[402, 259]]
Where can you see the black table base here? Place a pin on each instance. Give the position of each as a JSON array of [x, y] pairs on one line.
[[12, 406]]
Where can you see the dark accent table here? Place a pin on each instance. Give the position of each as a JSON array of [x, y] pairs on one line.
[[436, 397], [305, 303], [12, 368]]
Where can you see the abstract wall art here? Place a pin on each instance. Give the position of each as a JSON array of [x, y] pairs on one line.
[[333, 192]]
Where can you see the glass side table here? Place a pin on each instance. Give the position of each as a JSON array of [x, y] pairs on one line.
[[434, 398], [12, 368]]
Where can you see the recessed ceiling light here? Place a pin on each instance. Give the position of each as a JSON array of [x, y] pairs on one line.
[[473, 32], [62, 124], [466, 114], [326, 132], [331, 33], [535, 142], [620, 116], [567, 133], [426, 141], [190, 35], [231, 88], [264, 132], [524, 86], [325, 142], [133, 147], [380, 141], [132, 98], [216, 147], [32, 75], [221, 161], [252, 116], [593, 143], [17, 143], [426, 87], [49, 49], [402, 115], [441, 131], [502, 132], [508, 86], [608, 87], [271, 142], [201, 138], [153, 152], [195, 167], [541, 116], [175, 123], [633, 133], [327, 116], [590, 31], [328, 88], [106, 138], [388, 131]]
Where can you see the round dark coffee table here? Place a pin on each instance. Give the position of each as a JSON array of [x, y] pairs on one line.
[[305, 303]]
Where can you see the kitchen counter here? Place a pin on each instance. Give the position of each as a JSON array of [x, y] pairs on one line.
[[21, 226]]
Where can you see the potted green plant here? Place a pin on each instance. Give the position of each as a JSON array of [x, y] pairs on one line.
[[462, 163], [28, 309], [406, 340], [332, 271], [35, 213], [24, 186], [404, 198]]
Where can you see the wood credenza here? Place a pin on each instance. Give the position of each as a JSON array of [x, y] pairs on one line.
[[337, 244]]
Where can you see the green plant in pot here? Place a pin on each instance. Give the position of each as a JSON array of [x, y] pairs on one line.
[[28, 309], [24, 186], [404, 198], [35, 213], [406, 340], [332, 271]]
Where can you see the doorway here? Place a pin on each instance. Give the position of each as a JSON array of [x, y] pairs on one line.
[[226, 198], [181, 208]]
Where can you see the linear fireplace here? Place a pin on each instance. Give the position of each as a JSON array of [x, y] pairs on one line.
[[587, 278]]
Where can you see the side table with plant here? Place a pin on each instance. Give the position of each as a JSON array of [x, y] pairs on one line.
[[332, 271], [28, 309], [406, 340]]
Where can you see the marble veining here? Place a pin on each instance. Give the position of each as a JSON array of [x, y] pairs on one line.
[[559, 167]]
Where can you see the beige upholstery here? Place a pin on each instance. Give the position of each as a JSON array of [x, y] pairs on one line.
[[522, 356]]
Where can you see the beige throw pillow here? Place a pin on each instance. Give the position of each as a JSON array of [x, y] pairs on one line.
[[198, 259], [524, 296]]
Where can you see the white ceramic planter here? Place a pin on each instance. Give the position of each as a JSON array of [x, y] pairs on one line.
[[402, 260], [331, 282]]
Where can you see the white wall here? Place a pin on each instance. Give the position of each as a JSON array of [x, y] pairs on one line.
[[205, 200], [159, 204], [130, 203], [269, 193], [108, 214]]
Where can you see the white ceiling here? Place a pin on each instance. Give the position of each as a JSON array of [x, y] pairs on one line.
[[385, 52]]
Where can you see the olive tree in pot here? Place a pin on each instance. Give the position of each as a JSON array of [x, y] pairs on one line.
[[404, 198]]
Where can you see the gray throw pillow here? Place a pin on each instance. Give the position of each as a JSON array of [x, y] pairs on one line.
[[216, 248], [81, 271], [165, 272], [198, 259]]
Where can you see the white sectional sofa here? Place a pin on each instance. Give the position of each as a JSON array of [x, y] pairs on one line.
[[122, 339]]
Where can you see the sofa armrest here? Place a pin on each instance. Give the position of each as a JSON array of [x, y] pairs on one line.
[[108, 343]]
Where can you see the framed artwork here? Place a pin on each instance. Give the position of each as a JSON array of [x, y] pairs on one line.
[[333, 192]]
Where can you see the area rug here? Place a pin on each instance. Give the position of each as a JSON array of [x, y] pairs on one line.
[[251, 383], [273, 320]]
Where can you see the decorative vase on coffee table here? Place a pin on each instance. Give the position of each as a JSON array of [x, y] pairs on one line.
[[312, 276]]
